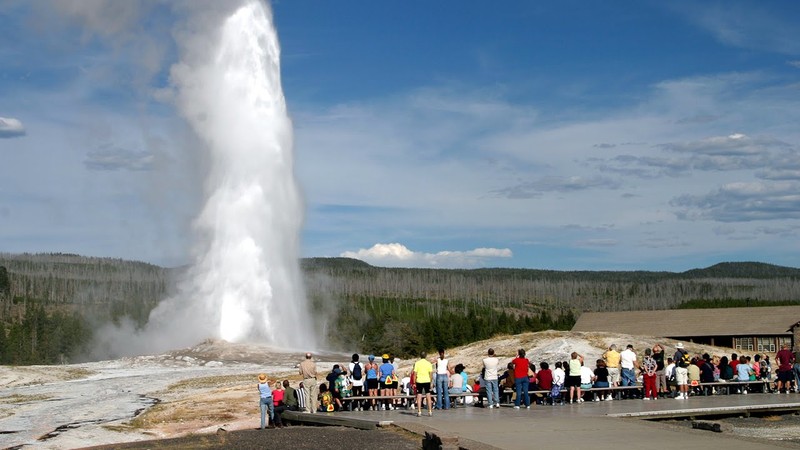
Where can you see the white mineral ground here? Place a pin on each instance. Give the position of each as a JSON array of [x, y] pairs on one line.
[[209, 386]]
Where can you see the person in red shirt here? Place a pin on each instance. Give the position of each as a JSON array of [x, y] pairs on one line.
[[785, 360], [544, 378], [734, 361], [521, 379]]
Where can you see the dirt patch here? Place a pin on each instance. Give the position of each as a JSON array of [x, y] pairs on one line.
[[297, 437], [784, 428]]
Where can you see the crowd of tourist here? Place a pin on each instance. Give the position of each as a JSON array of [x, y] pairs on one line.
[[440, 384]]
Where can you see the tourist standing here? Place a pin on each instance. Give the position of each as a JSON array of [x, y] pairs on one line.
[[372, 380], [265, 400], [308, 370], [682, 362], [521, 379], [490, 367], [386, 378], [574, 378], [423, 372], [443, 371], [611, 357], [649, 376], [785, 360], [356, 371], [627, 362], [661, 375]]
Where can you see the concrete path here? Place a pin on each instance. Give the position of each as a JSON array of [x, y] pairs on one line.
[[595, 425]]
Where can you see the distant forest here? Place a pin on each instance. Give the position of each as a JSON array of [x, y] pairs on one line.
[[49, 303]]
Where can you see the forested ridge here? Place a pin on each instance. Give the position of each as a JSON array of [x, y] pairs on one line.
[[49, 303]]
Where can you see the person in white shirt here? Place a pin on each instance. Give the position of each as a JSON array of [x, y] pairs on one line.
[[357, 384], [669, 374], [559, 375], [628, 363], [587, 376], [490, 365], [443, 371]]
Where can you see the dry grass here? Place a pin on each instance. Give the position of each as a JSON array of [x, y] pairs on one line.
[[74, 373], [773, 418], [197, 403]]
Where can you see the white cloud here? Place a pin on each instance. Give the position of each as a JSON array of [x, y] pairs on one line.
[[11, 127], [398, 255]]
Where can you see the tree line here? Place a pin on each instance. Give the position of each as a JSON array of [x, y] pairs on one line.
[[402, 310]]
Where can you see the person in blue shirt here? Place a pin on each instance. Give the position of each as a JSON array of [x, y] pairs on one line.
[[265, 394], [386, 376]]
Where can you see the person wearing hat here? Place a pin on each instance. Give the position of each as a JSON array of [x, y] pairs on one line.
[[371, 368], [386, 376], [681, 372], [265, 394]]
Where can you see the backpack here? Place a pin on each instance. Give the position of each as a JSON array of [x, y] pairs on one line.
[[686, 359], [555, 391], [357, 371]]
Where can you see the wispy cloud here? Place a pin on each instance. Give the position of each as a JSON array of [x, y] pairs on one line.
[[755, 26], [536, 188], [742, 202], [113, 158], [398, 255], [11, 128]]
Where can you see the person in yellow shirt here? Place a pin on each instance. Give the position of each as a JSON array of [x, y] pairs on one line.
[[612, 359], [423, 370]]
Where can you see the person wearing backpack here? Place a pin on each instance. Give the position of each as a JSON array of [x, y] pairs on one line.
[[682, 361], [356, 371]]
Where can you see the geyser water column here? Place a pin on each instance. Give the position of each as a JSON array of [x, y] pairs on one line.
[[246, 279]]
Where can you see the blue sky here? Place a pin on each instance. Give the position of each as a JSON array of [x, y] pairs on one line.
[[562, 135]]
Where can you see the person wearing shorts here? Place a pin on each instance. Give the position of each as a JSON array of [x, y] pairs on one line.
[[681, 373], [386, 376], [423, 374], [612, 359], [371, 369], [786, 361]]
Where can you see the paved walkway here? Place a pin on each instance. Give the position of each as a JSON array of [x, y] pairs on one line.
[[595, 425]]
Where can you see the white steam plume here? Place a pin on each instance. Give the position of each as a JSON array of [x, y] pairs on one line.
[[245, 282]]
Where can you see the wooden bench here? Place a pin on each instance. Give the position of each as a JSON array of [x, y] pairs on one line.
[[725, 387]]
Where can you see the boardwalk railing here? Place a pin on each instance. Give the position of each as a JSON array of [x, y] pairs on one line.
[[722, 387]]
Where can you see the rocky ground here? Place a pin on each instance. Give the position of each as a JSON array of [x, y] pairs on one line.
[[784, 428], [290, 437], [208, 387]]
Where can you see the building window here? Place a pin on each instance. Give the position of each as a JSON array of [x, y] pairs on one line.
[[784, 340], [766, 344], [743, 343]]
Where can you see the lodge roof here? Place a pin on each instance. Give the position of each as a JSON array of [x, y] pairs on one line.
[[769, 320]]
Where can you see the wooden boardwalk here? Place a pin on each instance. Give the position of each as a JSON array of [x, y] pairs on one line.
[[596, 425]]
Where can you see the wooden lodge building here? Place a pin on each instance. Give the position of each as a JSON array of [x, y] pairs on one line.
[[760, 329]]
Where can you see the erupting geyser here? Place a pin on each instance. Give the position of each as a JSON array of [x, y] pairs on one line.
[[245, 283]]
